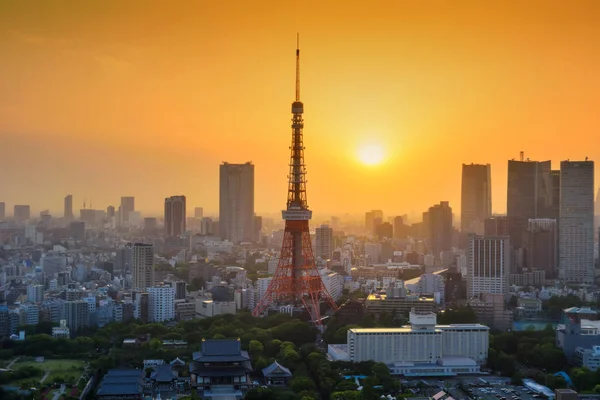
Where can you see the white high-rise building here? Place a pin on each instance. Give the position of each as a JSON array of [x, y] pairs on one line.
[[272, 265], [576, 222], [161, 303], [324, 242], [35, 293], [142, 270], [334, 283], [261, 286], [488, 265]]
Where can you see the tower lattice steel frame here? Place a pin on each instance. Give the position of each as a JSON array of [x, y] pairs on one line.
[[297, 280]]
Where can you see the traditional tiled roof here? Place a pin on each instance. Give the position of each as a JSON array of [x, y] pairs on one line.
[[164, 373], [121, 382], [227, 350], [276, 370]]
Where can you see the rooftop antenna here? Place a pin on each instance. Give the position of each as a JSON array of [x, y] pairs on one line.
[[522, 156]]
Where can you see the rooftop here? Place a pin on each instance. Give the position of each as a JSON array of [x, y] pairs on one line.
[[380, 297], [121, 382]]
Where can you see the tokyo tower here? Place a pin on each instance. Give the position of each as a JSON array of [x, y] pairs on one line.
[[296, 280]]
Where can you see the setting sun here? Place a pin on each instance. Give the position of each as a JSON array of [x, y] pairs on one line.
[[370, 154]]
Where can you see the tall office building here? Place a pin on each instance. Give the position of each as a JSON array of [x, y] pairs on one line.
[[175, 216], [68, 213], [496, 226], [488, 265], [476, 197], [77, 314], [142, 269], [2, 210], [198, 213], [110, 212], [596, 205], [127, 206], [371, 219], [22, 213], [324, 242], [555, 177], [236, 202], [440, 229], [540, 246], [529, 196], [576, 222]]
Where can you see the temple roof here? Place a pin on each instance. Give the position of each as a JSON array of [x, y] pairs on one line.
[[164, 373], [228, 350], [276, 370]]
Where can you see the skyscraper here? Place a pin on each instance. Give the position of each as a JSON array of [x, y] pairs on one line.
[[198, 213], [2, 210], [439, 221], [22, 213], [127, 206], [175, 216], [529, 196], [555, 177], [68, 214], [324, 242], [496, 226], [488, 265], [540, 245], [576, 222], [142, 266], [236, 202], [476, 197], [371, 218]]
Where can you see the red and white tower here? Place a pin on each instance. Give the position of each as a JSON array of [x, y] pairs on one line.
[[296, 280]]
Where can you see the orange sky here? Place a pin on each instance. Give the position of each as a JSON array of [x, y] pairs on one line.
[[108, 98]]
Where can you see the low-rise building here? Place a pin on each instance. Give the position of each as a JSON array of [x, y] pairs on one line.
[[209, 308], [121, 384], [421, 349], [574, 333], [588, 358], [528, 305], [61, 331], [379, 303], [490, 310]]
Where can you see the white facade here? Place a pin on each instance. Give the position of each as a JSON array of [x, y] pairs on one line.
[[324, 242], [161, 303], [421, 343], [488, 265], [272, 265], [588, 358], [261, 286], [210, 308], [334, 283], [576, 222]]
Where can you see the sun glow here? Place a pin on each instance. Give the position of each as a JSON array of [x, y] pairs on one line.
[[371, 154]]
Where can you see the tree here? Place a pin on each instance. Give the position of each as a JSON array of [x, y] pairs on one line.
[[256, 349], [301, 383]]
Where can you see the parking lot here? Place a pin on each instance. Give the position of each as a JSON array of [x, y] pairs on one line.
[[503, 392]]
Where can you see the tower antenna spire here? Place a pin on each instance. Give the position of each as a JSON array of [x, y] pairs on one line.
[[297, 67]]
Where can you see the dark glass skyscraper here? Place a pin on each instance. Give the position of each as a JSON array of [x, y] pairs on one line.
[[529, 196], [175, 216], [476, 197]]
